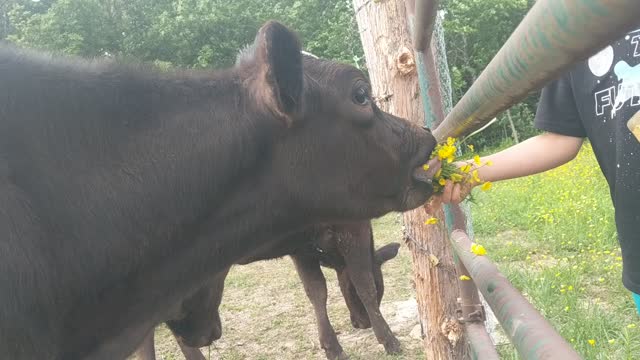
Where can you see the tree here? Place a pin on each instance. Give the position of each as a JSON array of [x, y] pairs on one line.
[[6, 6], [193, 33]]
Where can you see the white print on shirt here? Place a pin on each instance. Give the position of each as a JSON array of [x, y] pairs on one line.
[[636, 41], [628, 84], [600, 63], [629, 78], [607, 98]]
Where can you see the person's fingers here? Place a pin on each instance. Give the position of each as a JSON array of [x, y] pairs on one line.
[[456, 194], [447, 192]]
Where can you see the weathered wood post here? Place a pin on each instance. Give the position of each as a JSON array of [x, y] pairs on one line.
[[388, 48]]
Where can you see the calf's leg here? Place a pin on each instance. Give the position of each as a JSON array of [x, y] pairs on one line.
[[315, 286], [357, 311], [356, 248]]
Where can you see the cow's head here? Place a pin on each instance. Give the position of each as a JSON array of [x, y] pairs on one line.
[[338, 155], [357, 311]]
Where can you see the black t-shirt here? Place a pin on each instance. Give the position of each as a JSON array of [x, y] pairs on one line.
[[595, 100]]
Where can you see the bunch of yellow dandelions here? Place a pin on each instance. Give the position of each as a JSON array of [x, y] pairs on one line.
[[467, 173]]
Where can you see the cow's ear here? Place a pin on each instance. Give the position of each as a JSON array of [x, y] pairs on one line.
[[387, 252], [278, 57]]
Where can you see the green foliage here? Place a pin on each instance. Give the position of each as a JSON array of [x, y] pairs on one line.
[[193, 33]]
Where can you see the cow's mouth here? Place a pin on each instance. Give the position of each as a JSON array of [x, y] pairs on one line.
[[425, 174], [421, 187]]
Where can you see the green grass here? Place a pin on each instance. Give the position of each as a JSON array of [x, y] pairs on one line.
[[553, 235]]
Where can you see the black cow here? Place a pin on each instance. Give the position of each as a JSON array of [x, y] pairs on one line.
[[123, 189], [348, 249]]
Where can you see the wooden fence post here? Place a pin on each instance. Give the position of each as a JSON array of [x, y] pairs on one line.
[[391, 62]]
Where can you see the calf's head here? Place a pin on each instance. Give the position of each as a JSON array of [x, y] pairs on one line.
[[338, 155]]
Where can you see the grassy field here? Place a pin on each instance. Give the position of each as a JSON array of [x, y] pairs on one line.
[[553, 235]]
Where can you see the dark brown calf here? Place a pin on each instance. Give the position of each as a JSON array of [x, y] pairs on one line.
[[348, 249]]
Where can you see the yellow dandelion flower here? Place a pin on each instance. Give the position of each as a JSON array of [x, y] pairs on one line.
[[566, 308], [425, 167], [476, 159], [456, 178], [631, 326], [612, 341], [442, 181], [466, 168], [592, 342], [431, 221], [471, 147], [601, 279], [451, 141], [475, 175], [570, 288], [486, 186], [446, 151], [464, 278], [478, 249]]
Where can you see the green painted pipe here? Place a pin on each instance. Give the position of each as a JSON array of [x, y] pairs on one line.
[[425, 18], [530, 333], [554, 35]]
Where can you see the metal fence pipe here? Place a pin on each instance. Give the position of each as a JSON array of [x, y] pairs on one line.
[[530, 333], [472, 315], [482, 347], [425, 19], [554, 35]]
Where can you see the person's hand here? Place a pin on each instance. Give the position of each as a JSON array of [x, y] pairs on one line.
[[453, 193]]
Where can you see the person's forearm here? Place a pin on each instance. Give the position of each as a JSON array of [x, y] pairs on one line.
[[535, 155]]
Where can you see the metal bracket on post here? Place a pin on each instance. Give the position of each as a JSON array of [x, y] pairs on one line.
[[470, 313]]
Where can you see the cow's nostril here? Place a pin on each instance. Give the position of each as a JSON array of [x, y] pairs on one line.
[[426, 128]]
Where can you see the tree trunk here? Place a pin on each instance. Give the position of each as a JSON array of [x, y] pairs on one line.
[[514, 132], [391, 64]]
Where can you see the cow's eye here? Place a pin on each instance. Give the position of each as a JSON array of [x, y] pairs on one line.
[[361, 97]]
